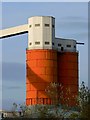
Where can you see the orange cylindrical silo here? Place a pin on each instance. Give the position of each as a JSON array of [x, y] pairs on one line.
[[68, 76], [41, 69]]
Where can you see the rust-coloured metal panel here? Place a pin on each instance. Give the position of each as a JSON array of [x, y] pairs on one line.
[[28, 87], [41, 69], [68, 74], [68, 80], [45, 63], [45, 66], [39, 86], [35, 79], [31, 94]]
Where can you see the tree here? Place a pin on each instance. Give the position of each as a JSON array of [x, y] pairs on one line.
[[25, 110], [55, 91], [84, 101], [14, 108], [52, 92]]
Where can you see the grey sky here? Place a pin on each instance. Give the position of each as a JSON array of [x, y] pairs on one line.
[[71, 22]]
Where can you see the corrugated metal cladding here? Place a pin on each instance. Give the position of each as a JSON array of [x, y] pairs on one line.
[[41, 70], [68, 76], [45, 66]]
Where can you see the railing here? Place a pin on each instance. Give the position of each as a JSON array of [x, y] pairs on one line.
[[32, 101]]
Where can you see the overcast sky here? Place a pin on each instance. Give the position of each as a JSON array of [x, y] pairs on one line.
[[71, 22]]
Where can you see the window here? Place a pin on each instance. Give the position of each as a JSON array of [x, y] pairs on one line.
[[46, 25], [37, 43], [52, 43], [30, 43], [37, 25], [68, 45], [62, 48], [74, 46], [30, 26], [53, 26], [47, 43], [59, 44]]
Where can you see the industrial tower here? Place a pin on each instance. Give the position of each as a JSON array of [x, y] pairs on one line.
[[48, 59]]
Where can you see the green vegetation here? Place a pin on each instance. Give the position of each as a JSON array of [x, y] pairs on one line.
[[57, 110], [84, 101]]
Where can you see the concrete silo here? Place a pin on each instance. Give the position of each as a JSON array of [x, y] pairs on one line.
[[41, 59], [49, 59]]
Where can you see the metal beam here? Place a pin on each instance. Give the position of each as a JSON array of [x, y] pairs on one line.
[[79, 43], [22, 29]]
